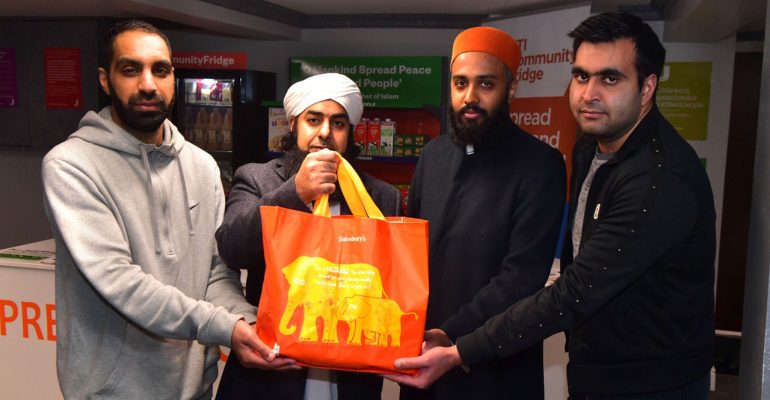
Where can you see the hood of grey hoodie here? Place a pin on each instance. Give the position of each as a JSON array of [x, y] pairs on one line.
[[100, 129]]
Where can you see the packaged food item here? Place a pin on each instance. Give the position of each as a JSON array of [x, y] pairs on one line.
[[411, 140], [190, 90], [373, 137], [387, 133], [226, 131], [199, 129], [215, 96], [227, 94], [360, 135], [407, 151], [278, 126], [205, 94], [404, 189], [212, 132]]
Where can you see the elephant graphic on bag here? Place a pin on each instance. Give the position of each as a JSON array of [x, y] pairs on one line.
[[317, 285], [377, 318]]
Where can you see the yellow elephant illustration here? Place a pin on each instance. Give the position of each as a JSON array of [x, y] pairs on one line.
[[317, 285], [377, 318]]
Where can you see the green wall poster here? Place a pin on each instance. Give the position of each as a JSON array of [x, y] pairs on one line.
[[683, 97], [387, 82]]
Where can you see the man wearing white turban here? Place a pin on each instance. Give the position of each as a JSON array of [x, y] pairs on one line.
[[323, 110]]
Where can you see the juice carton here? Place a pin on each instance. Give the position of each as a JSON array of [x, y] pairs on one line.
[[387, 134], [360, 134], [199, 129], [226, 132], [373, 137], [212, 132]]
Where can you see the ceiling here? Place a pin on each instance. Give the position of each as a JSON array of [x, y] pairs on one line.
[[685, 20]]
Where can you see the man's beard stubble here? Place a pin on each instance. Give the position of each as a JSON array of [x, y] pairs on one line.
[[148, 122], [292, 160], [465, 132]]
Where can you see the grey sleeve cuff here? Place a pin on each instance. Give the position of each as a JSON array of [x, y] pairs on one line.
[[219, 329]]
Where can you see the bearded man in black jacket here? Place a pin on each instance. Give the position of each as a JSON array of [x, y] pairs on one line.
[[494, 196], [637, 296]]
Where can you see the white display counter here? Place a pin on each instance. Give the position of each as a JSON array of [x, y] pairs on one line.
[[28, 322]]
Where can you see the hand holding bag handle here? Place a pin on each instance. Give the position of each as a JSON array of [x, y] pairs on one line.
[[354, 192]]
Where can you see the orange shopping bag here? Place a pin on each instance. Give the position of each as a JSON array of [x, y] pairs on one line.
[[344, 292]]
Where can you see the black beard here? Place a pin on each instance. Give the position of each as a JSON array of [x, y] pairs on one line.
[[468, 132], [293, 159], [147, 122]]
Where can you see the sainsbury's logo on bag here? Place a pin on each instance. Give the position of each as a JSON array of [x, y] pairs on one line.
[[359, 239]]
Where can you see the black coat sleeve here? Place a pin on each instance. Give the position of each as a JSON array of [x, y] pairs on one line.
[[627, 241]]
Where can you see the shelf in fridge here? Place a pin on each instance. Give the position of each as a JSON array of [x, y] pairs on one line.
[[209, 104]]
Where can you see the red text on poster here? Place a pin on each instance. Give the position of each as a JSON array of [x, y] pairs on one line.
[[548, 119]]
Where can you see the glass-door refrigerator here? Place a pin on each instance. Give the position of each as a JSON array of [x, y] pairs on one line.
[[220, 111]]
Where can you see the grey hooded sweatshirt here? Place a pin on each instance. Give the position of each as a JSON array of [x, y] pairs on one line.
[[142, 297]]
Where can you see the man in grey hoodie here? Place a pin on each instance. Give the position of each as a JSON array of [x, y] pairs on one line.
[[143, 298]]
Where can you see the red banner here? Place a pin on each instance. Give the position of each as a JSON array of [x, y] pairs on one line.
[[209, 60]]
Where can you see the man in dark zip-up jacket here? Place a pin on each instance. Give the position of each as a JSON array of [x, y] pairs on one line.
[[637, 295]]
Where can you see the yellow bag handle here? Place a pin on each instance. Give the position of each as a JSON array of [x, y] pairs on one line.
[[354, 192]]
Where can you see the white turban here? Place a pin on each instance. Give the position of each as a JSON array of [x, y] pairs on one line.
[[331, 86]]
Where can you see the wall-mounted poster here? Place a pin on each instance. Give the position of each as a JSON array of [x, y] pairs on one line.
[[8, 85], [683, 97], [63, 88]]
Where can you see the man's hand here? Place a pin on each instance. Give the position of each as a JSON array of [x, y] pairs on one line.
[[434, 338], [253, 353], [430, 366], [317, 175]]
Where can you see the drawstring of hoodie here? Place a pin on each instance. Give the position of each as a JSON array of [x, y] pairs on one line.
[[150, 192], [184, 189]]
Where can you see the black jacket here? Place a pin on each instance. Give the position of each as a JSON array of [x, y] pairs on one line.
[[239, 240], [638, 299], [494, 223]]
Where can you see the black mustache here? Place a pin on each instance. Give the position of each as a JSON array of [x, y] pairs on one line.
[[147, 96], [474, 108]]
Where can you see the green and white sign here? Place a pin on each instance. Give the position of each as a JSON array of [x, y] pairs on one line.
[[386, 82], [683, 97]]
